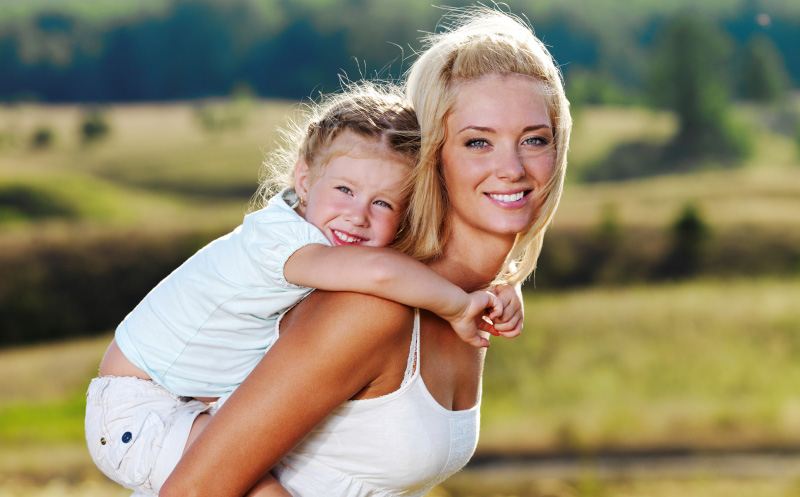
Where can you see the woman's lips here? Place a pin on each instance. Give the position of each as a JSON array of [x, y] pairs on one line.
[[509, 199]]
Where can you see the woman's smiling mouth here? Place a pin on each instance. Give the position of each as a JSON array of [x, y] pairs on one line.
[[508, 199]]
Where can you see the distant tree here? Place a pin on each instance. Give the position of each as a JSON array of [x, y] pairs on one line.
[[764, 76], [94, 127], [689, 235], [42, 137], [586, 87], [609, 229], [228, 115], [797, 137], [689, 75]]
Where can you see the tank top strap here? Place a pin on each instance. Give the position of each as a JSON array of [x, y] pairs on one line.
[[413, 353]]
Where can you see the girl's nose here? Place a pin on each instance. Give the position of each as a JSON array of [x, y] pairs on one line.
[[357, 215]]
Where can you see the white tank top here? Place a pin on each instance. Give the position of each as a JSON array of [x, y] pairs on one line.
[[401, 444]]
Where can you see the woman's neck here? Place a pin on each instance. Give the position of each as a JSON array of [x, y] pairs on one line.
[[472, 262]]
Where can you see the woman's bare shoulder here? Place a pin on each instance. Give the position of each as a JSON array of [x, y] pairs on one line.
[[352, 313], [362, 337]]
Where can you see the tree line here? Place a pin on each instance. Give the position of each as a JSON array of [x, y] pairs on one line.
[[57, 291], [290, 49]]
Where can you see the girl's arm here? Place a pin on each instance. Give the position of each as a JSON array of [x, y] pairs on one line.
[[389, 274], [332, 347]]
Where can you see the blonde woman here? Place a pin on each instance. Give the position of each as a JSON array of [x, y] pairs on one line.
[[373, 397]]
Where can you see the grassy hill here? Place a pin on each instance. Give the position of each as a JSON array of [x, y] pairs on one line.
[[645, 366], [160, 158]]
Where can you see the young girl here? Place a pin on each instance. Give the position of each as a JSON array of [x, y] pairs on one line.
[[198, 333]]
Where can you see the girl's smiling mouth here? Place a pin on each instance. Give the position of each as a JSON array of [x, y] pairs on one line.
[[344, 238]]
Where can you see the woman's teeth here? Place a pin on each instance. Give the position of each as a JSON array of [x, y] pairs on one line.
[[507, 198], [345, 237]]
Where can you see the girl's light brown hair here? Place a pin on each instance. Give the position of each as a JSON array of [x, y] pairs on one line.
[[376, 112], [475, 42]]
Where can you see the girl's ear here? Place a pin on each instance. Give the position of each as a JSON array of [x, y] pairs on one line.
[[302, 179]]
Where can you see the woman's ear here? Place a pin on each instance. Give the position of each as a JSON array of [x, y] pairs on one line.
[[302, 179]]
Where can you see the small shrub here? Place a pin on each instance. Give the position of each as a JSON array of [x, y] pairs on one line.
[[797, 138], [689, 236], [94, 127], [230, 115], [42, 138], [22, 201]]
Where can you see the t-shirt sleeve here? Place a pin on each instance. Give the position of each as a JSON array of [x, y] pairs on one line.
[[275, 240]]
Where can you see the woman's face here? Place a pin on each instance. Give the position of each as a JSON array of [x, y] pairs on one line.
[[498, 154]]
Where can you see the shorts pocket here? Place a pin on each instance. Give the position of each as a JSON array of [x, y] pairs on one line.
[[127, 447]]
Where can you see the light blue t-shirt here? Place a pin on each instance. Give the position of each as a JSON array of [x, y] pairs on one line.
[[202, 330]]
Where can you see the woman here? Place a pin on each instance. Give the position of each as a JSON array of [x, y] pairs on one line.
[[373, 398]]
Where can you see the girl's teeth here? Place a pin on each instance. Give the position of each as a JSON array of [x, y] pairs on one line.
[[346, 238], [507, 198]]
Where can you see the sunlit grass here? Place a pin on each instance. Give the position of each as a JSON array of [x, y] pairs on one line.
[[97, 486], [597, 130], [742, 197], [164, 149], [469, 484], [96, 201], [764, 190], [158, 146], [702, 364], [46, 401]]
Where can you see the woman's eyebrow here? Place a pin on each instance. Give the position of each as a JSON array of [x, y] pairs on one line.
[[536, 127], [487, 129], [477, 128]]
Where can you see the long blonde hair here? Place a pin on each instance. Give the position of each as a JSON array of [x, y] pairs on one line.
[[475, 42]]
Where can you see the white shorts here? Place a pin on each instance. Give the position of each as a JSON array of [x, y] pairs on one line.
[[136, 430]]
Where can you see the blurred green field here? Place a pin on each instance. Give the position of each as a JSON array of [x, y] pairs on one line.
[[698, 365]]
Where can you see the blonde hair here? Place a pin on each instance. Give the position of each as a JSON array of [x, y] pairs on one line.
[[369, 110], [476, 42]]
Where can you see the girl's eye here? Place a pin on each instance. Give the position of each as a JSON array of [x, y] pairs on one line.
[[477, 143], [383, 204], [344, 189]]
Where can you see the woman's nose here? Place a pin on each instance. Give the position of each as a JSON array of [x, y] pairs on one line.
[[510, 167]]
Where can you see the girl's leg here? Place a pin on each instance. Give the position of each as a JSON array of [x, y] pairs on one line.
[[199, 425], [268, 486]]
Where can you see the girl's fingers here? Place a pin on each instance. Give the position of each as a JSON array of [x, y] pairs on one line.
[[486, 325], [514, 325], [496, 305], [511, 334]]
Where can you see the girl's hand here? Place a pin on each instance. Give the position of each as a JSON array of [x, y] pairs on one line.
[[470, 320], [509, 322]]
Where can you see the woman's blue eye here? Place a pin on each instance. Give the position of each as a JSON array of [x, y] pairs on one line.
[[343, 189], [477, 143], [383, 204], [536, 141]]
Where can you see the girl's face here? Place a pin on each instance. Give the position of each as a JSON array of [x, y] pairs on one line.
[[498, 154], [357, 197]]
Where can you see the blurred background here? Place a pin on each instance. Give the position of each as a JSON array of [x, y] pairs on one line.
[[661, 354]]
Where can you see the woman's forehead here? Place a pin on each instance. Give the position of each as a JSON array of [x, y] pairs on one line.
[[494, 99]]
